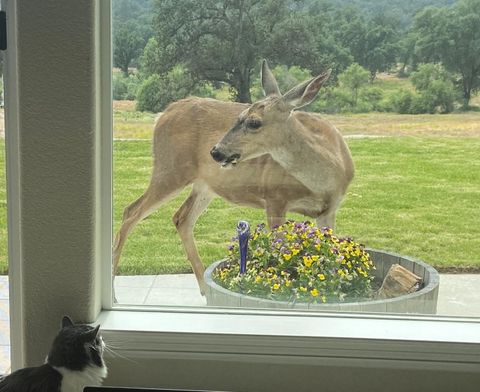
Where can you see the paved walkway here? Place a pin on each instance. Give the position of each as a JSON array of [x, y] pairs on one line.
[[459, 295]]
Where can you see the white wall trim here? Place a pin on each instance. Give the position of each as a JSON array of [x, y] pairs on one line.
[[346, 339], [13, 168], [104, 152]]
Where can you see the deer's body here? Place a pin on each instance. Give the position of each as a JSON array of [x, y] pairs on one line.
[[307, 170]]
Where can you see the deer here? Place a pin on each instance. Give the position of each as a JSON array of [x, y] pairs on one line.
[[266, 155]]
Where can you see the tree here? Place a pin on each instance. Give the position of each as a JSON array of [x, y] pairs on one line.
[[127, 45], [354, 78], [372, 41], [406, 52], [307, 39], [223, 41], [380, 45], [452, 36]]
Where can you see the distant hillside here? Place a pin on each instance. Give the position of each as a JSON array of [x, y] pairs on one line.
[[409, 7], [403, 10]]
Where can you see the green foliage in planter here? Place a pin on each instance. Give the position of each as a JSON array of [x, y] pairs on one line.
[[299, 262]]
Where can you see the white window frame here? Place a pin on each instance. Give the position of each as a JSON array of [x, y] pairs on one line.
[[389, 341], [438, 342]]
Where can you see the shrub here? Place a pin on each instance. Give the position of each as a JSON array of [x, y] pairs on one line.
[[299, 262], [402, 101], [442, 95], [435, 86], [332, 100], [354, 78], [125, 88], [287, 78], [156, 92]]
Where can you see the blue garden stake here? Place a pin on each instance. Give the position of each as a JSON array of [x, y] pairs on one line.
[[243, 230]]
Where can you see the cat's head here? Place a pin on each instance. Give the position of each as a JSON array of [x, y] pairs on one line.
[[77, 346]]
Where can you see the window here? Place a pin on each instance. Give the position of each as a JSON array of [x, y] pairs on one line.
[[401, 198]]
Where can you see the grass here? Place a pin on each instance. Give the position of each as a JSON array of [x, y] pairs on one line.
[[416, 196], [416, 192], [130, 124], [391, 124]]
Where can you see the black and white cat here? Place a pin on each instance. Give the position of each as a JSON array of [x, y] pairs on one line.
[[75, 361]]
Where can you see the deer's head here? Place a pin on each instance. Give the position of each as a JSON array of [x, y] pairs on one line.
[[257, 129]]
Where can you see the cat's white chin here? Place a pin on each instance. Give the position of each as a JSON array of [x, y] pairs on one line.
[[77, 380]]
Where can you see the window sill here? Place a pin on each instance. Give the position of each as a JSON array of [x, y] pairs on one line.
[[358, 340]]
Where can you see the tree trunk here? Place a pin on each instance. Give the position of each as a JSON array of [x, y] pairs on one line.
[[467, 94], [124, 69], [242, 85]]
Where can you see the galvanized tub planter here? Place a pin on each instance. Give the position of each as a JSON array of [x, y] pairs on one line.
[[423, 301]]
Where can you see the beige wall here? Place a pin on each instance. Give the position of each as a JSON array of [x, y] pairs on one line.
[[228, 375], [56, 117]]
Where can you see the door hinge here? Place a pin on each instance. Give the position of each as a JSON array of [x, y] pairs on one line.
[[3, 30]]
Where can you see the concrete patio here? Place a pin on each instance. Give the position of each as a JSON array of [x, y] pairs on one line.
[[459, 296]]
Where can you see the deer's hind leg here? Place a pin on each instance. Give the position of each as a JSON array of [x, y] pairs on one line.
[[154, 196], [184, 220]]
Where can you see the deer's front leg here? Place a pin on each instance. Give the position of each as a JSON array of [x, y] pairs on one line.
[[276, 211], [184, 220]]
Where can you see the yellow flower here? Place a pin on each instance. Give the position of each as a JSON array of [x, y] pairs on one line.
[[295, 251], [287, 256], [324, 299], [276, 286], [258, 279], [321, 276], [314, 292], [301, 288], [288, 283], [307, 260]]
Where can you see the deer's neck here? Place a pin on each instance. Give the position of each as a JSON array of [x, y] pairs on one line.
[[308, 161]]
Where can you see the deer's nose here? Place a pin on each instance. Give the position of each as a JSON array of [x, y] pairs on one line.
[[217, 155]]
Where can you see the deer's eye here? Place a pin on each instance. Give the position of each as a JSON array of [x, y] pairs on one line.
[[254, 123]]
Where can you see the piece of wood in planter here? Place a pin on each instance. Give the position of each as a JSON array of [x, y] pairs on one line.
[[399, 281]]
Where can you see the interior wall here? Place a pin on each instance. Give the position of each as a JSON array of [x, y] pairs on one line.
[[268, 375], [56, 142]]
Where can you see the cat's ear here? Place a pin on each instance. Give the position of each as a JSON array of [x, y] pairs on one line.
[[91, 335], [66, 322]]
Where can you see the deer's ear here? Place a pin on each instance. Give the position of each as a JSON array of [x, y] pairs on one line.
[[269, 83], [305, 92]]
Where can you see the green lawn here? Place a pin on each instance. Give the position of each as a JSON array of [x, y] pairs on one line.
[[417, 196]]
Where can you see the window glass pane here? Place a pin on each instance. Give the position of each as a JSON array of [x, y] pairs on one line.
[[4, 294], [352, 153]]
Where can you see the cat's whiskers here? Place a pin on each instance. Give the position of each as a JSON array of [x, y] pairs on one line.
[[116, 354]]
